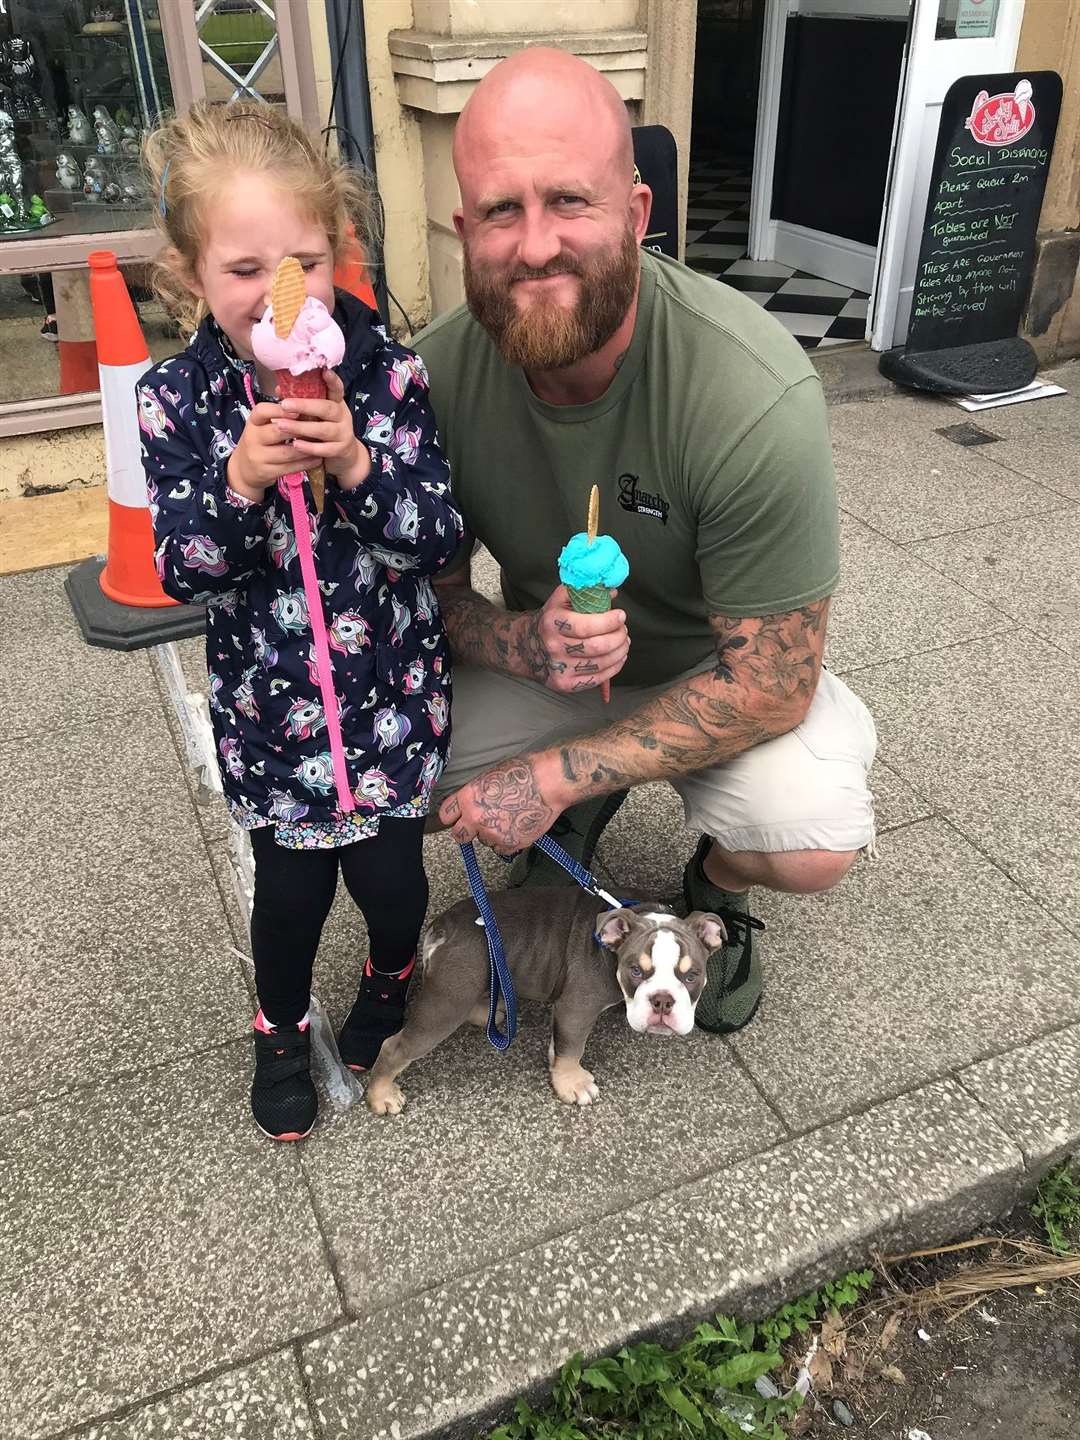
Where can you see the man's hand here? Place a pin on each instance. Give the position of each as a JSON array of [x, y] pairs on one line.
[[508, 807], [569, 652], [262, 455], [323, 430]]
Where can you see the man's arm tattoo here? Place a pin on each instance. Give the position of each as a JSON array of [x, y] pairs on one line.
[[483, 634], [761, 685], [511, 804]]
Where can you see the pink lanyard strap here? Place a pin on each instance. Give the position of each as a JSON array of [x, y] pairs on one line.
[[292, 487]]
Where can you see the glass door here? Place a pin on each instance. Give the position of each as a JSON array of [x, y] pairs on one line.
[[947, 39]]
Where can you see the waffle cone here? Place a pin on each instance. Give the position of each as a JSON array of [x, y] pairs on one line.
[[308, 385], [287, 295], [590, 599]]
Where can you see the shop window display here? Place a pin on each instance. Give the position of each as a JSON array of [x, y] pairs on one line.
[[80, 82]]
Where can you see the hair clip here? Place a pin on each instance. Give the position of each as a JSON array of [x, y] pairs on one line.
[[249, 115], [161, 194]]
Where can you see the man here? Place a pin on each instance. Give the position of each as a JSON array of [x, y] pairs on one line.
[[581, 359]]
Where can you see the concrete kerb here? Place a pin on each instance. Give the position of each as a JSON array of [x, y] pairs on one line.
[[916, 1171]]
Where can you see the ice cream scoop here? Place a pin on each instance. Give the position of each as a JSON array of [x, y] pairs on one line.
[[315, 341], [602, 563]]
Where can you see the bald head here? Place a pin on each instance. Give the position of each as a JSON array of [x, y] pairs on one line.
[[543, 98]]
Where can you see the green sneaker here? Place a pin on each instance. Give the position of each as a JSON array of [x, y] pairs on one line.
[[733, 985], [577, 830]]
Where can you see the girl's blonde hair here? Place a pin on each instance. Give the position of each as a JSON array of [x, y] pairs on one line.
[[189, 158]]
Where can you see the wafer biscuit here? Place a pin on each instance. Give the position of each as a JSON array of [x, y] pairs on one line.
[[287, 295]]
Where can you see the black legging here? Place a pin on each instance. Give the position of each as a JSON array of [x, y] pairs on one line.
[[294, 890]]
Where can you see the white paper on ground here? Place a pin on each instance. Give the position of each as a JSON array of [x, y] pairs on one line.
[[1037, 390]]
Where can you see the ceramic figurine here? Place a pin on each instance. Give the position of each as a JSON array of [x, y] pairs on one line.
[[18, 61], [94, 179], [129, 140], [111, 193], [108, 136], [79, 131], [68, 172], [102, 21], [11, 181]]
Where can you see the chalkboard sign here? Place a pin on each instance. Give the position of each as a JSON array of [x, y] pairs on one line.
[[995, 139], [657, 159]]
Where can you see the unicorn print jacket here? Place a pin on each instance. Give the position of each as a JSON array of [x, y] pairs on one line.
[[375, 548]]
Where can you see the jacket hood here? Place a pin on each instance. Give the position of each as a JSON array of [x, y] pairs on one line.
[[213, 348]]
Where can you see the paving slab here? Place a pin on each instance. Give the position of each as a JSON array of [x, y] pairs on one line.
[[49, 677], [987, 732], [918, 1170], [1027, 569], [506, 1165], [262, 1401], [1033, 1093], [896, 802], [895, 473], [114, 941], [149, 1234], [1041, 438], [890, 604], [919, 962]]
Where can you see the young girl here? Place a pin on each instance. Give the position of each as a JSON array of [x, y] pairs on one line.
[[239, 187]]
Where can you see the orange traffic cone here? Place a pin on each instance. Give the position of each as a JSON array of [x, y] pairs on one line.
[[128, 577], [351, 273]]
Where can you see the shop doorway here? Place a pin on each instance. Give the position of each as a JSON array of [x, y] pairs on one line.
[[814, 125], [794, 107]]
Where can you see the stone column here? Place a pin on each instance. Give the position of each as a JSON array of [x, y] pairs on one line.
[[1050, 40], [669, 81]]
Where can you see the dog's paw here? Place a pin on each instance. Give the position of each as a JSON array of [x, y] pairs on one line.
[[384, 1098], [573, 1084]]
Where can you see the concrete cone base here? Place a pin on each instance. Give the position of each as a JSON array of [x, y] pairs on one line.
[[125, 627]]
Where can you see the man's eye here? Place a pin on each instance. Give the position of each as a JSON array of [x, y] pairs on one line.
[[571, 200], [504, 207], [245, 274]]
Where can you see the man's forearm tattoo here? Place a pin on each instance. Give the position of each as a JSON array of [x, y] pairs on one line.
[[483, 634], [761, 685]]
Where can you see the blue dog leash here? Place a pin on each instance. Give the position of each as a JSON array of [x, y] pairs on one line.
[[502, 983]]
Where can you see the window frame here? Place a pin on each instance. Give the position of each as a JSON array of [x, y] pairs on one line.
[[70, 252]]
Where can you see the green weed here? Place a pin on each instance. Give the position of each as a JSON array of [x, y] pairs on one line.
[[700, 1390], [1058, 1207]]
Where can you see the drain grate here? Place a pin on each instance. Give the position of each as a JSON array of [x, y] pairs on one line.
[[969, 435]]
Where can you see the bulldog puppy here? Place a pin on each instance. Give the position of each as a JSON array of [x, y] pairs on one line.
[[564, 947]]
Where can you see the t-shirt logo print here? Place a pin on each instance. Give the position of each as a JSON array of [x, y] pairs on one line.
[[642, 502]]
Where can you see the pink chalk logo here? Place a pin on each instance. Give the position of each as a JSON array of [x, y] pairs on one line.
[[1001, 119]]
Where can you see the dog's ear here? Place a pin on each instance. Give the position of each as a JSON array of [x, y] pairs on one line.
[[613, 926], [709, 928]]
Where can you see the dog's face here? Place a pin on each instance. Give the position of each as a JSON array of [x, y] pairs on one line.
[[661, 963]]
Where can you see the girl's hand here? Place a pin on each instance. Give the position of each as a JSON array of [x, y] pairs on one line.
[[262, 455], [323, 430]]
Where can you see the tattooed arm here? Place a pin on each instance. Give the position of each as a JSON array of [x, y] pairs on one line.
[[553, 645], [760, 686]]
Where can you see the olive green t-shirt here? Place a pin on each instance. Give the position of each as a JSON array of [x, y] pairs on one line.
[[710, 448]]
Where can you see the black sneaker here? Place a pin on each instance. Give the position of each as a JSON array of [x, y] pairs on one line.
[[48, 330], [578, 831], [378, 1013], [283, 1098], [733, 982]]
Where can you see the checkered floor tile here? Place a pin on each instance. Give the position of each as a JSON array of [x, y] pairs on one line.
[[817, 312]]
